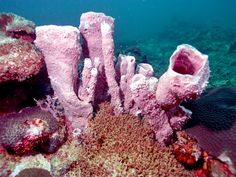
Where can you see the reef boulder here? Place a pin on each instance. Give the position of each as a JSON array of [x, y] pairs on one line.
[[21, 132], [19, 57], [17, 27]]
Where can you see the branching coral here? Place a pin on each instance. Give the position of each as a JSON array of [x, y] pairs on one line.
[[123, 146]]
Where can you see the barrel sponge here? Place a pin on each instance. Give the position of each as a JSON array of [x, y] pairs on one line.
[[123, 145]]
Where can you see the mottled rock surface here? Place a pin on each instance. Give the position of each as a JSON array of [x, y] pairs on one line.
[[21, 132]]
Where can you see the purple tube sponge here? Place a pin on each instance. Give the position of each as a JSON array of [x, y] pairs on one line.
[[61, 48], [97, 32], [129, 90]]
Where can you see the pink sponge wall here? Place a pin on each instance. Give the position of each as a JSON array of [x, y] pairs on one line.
[[128, 90]]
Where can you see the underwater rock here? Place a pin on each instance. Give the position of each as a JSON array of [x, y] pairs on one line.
[[213, 121], [32, 172], [232, 47], [17, 27], [19, 59], [21, 132]]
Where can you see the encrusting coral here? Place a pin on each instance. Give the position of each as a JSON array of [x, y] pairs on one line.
[[123, 146]]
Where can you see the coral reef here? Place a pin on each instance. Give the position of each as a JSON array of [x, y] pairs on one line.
[[136, 92], [127, 137]]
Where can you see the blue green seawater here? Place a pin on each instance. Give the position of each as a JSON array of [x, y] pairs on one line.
[[135, 19]]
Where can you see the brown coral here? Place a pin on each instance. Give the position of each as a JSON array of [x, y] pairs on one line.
[[123, 146]]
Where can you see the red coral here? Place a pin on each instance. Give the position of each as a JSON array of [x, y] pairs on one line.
[[186, 150]]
